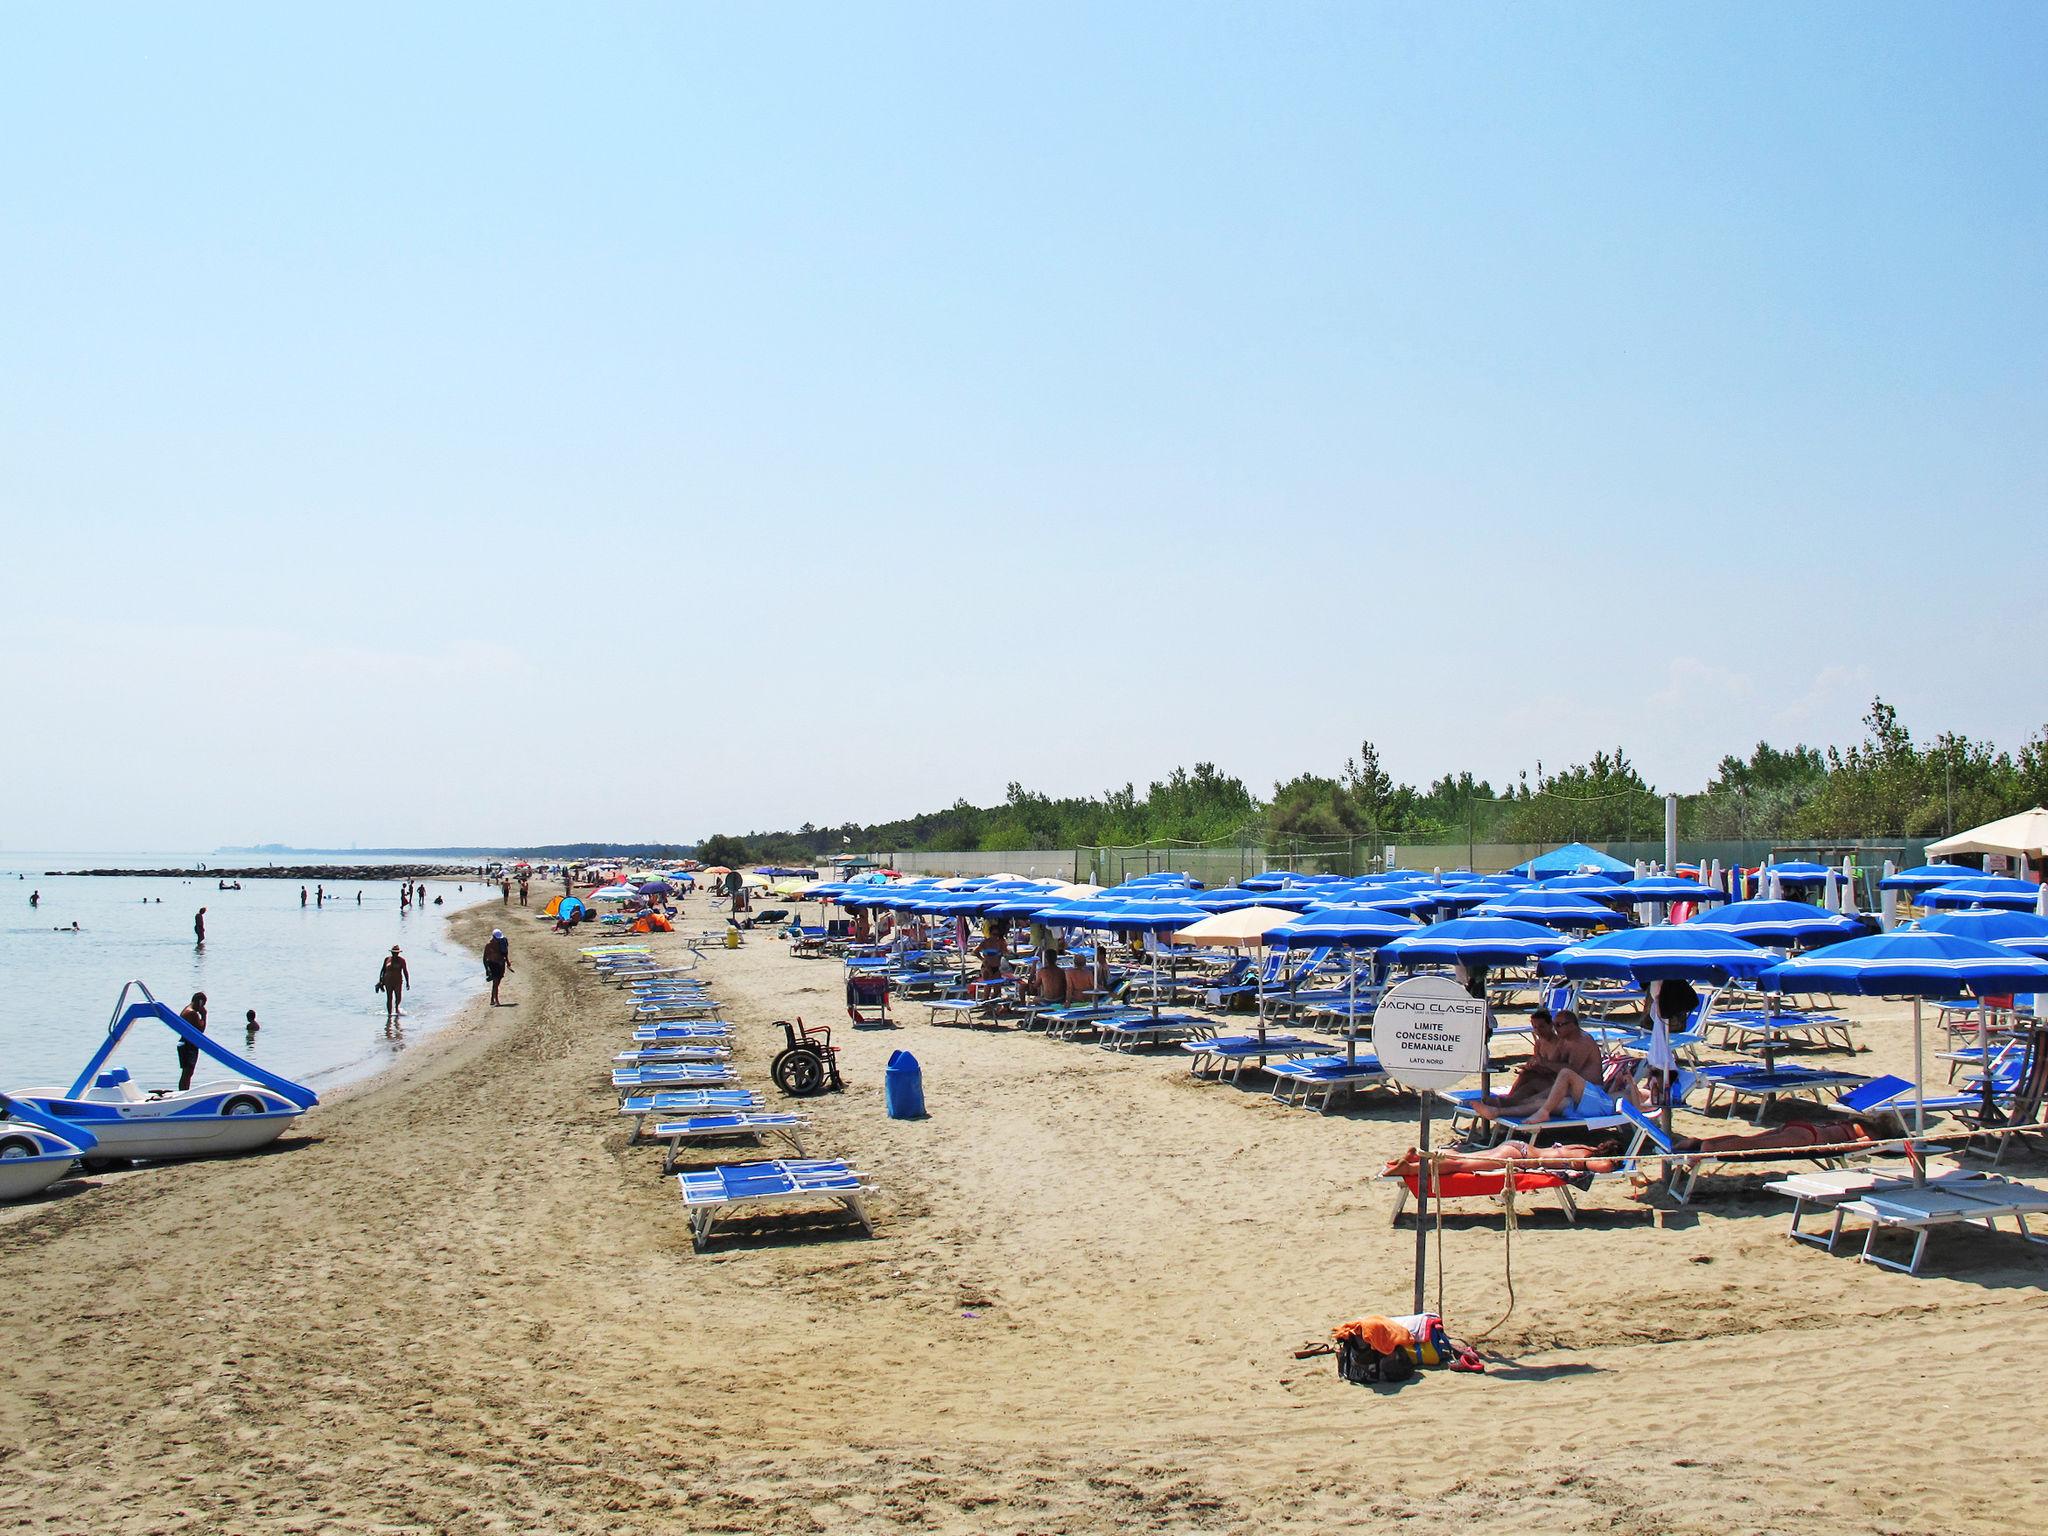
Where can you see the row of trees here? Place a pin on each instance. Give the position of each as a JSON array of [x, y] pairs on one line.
[[1886, 785]]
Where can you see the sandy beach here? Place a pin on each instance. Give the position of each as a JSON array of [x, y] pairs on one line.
[[459, 1301]]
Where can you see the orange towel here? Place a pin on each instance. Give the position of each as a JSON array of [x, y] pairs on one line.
[[1383, 1334]]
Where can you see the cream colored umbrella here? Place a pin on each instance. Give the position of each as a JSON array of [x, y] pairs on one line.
[[2021, 836], [1246, 928]]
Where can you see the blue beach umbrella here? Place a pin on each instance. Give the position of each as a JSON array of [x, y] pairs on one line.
[[1683, 952], [2023, 931], [1389, 899], [1461, 897], [1556, 909], [1348, 928], [1235, 898], [1925, 877], [1570, 859], [1663, 890], [1984, 891], [1476, 941], [1778, 924], [1598, 887], [1917, 964], [1801, 872]]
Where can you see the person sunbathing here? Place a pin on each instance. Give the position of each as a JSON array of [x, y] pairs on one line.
[[1590, 1157], [1793, 1136]]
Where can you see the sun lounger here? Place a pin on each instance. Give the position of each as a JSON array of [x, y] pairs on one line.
[[1127, 1034], [1748, 1028], [1824, 1190], [1227, 1054], [1920, 1209], [683, 1076], [1752, 1080], [701, 1031], [656, 1055], [725, 1127], [1313, 1082], [714, 1192], [1474, 1186], [640, 1107], [1685, 1174]]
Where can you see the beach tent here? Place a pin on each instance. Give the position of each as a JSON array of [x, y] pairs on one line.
[[552, 907], [2021, 836], [1571, 859]]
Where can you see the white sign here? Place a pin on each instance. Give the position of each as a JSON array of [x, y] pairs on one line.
[[1429, 1032]]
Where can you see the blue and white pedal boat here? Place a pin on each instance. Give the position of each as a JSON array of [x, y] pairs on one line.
[[36, 1150], [237, 1113]]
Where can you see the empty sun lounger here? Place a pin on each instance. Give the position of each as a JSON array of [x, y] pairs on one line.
[[658, 1055], [1128, 1034], [1752, 1080], [1227, 1055], [679, 1076], [725, 1127], [1823, 1190], [1920, 1209], [1315, 1081], [640, 1107], [714, 1192], [682, 1032]]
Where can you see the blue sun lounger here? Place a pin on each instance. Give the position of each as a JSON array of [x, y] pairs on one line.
[[641, 1107], [679, 1076], [1226, 1055], [724, 1127], [682, 1032], [1129, 1033], [714, 1192], [1314, 1081]]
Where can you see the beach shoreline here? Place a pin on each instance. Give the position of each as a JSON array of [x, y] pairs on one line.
[[461, 1301]]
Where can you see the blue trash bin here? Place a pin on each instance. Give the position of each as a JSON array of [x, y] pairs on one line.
[[903, 1087]]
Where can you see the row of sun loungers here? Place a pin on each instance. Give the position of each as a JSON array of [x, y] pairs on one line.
[[677, 1085]]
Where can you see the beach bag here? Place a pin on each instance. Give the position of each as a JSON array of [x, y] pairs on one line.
[[1358, 1361]]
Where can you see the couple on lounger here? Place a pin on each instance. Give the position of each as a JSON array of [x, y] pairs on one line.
[[1562, 1076]]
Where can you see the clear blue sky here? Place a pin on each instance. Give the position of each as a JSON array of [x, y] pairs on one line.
[[497, 422]]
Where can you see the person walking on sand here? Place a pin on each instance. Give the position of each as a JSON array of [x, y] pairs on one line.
[[193, 1013], [199, 925], [392, 979], [497, 961], [504, 893]]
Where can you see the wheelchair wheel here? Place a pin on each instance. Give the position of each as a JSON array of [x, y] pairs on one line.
[[799, 1072]]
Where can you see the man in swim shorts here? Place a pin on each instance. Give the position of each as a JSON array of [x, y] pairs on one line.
[[1575, 1079], [193, 1013]]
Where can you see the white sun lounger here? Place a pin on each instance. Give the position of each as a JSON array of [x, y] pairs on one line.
[[682, 1031], [641, 1107], [1823, 1190], [658, 1055], [1921, 1209], [1142, 1029], [725, 1127], [713, 1192]]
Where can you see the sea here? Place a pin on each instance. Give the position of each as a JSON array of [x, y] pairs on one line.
[[309, 971]]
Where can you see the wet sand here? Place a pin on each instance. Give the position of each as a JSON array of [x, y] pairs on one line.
[[461, 1302]]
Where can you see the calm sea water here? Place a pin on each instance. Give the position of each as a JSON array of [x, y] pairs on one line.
[[307, 971]]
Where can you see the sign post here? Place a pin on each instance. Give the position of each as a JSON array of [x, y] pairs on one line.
[[1429, 1033]]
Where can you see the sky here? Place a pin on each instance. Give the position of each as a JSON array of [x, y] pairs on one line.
[[503, 424]]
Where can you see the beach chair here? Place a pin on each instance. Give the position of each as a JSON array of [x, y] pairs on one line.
[[1685, 1175], [1919, 1209], [1227, 1055], [1492, 1186], [1313, 1082], [1128, 1033], [747, 1124], [655, 1055], [640, 1107], [699, 1032], [1766, 1085], [679, 1076], [714, 1192], [1823, 1190]]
